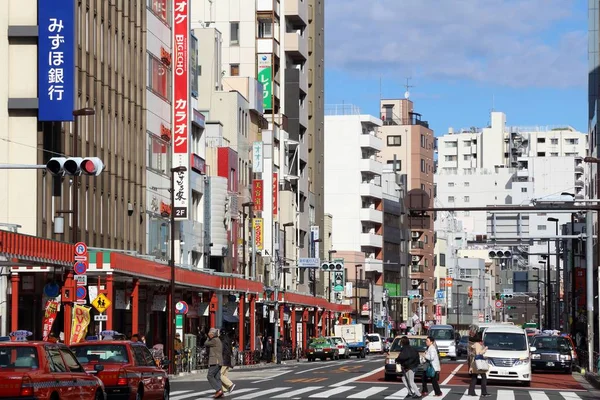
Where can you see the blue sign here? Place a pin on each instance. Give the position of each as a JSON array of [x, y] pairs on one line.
[[51, 289], [56, 60], [439, 294], [81, 292], [80, 268]]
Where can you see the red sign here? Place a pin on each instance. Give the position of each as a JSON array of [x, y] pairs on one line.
[[438, 310], [49, 317], [448, 282], [181, 93], [257, 194], [198, 163], [275, 192]]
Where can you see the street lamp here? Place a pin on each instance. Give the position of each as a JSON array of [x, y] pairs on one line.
[[171, 310], [556, 246], [244, 206], [538, 280], [356, 299]]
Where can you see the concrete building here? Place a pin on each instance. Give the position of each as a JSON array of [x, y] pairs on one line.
[[409, 141]]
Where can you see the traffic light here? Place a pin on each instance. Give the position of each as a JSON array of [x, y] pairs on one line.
[[332, 266], [506, 296], [497, 296], [511, 307], [415, 296], [60, 166]]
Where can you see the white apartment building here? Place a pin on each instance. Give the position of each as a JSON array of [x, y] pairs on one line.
[[353, 192]]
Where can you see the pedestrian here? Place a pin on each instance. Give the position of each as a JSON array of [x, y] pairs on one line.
[[433, 359], [215, 361], [227, 385], [409, 360], [478, 366], [258, 346]]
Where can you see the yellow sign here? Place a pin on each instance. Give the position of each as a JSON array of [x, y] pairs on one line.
[[81, 320], [101, 303], [258, 233]]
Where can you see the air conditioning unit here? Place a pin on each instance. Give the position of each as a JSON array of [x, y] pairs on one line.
[[416, 258], [414, 282], [415, 235]]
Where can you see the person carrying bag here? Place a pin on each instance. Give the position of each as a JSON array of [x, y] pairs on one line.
[[433, 368], [409, 360], [478, 366]]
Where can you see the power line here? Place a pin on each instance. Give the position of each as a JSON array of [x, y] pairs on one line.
[[33, 147]]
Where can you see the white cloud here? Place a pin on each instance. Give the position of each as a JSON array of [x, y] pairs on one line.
[[516, 43]]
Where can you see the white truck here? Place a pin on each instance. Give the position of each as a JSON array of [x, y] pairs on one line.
[[354, 335]]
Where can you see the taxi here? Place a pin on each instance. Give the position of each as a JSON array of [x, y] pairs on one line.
[[128, 371], [393, 370], [44, 370]]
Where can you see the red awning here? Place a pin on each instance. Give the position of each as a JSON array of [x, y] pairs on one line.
[[19, 248]]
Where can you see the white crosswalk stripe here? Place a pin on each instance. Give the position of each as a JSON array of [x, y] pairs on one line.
[[332, 392], [506, 394], [190, 395], [570, 396], [365, 394], [431, 395], [262, 393], [297, 392], [538, 396], [400, 394], [467, 397]]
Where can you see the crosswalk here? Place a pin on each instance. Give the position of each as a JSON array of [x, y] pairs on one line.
[[373, 392]]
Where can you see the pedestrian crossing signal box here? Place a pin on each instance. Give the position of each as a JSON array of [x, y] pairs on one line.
[[67, 295]]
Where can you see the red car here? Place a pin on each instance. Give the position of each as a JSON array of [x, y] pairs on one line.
[[43, 370], [129, 369]]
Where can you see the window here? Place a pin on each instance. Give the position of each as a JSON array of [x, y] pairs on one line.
[[451, 145], [572, 141], [394, 140], [389, 112], [541, 140], [19, 357], [423, 186], [159, 80], [553, 141], [71, 361], [467, 213], [541, 154], [467, 157], [422, 165], [450, 184], [398, 164], [450, 199], [160, 9], [159, 155], [265, 28], [467, 184], [541, 227], [138, 355], [467, 143], [523, 190], [234, 32], [466, 199], [553, 154], [423, 141], [234, 69], [56, 362]]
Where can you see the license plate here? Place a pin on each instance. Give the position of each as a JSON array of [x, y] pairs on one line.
[[443, 354], [503, 373], [550, 364]]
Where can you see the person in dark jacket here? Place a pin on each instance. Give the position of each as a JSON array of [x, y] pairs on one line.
[[228, 386], [409, 360], [215, 361]]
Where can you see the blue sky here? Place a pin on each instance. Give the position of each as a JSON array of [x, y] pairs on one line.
[[527, 58]]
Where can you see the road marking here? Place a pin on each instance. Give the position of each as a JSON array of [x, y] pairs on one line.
[[445, 391], [400, 394], [315, 380], [452, 374], [331, 392], [297, 392], [369, 392], [570, 396], [358, 377], [314, 369], [467, 397], [506, 394], [287, 371], [175, 393], [539, 396], [262, 393], [193, 394]]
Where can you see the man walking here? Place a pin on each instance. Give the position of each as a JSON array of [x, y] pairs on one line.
[[409, 360], [228, 386], [215, 361]]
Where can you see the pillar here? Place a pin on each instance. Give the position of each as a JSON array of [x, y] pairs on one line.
[[14, 303], [253, 322], [324, 318], [316, 322], [68, 309], [135, 310], [213, 307], [241, 323], [293, 326], [109, 294], [304, 325], [281, 322]]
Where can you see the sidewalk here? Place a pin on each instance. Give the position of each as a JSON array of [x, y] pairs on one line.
[[263, 365]]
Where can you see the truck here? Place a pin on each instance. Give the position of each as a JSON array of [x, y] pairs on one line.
[[354, 335]]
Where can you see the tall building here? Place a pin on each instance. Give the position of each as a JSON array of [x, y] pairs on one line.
[[409, 144]]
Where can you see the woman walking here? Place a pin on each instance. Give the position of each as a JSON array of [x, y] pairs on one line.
[[478, 366], [433, 359]]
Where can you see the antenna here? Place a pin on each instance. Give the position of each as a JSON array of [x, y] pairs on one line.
[[407, 87]]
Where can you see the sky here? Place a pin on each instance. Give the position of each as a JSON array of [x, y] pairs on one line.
[[464, 58]]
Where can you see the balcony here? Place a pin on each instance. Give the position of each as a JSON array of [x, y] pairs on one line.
[[371, 141], [579, 168], [579, 183], [303, 115], [370, 190], [296, 46], [417, 245], [371, 166], [268, 5], [371, 214], [371, 240], [304, 81], [296, 11]]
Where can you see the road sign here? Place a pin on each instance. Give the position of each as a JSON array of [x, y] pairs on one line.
[[101, 303], [80, 267], [507, 291], [413, 293], [51, 289], [101, 317], [439, 294], [309, 262], [81, 280], [81, 249], [480, 317], [81, 292], [449, 282], [499, 304], [338, 280], [181, 307]]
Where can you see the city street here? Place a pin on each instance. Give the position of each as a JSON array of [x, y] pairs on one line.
[[363, 379]]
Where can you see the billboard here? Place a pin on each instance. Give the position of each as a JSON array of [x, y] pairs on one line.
[[257, 194], [275, 192], [257, 225], [56, 60], [265, 77], [181, 107], [257, 157]]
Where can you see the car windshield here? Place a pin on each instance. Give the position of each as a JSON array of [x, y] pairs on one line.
[[505, 341], [337, 340], [101, 353], [319, 342], [373, 338], [442, 334], [551, 343], [18, 357], [417, 343], [464, 340]]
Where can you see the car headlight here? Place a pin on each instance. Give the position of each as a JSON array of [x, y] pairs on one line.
[[535, 356], [390, 361], [522, 361], [565, 357]]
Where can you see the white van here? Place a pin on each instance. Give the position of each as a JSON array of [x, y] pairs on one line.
[[374, 343], [445, 339], [508, 354]]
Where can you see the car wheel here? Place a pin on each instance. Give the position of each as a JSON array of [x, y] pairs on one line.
[[98, 396], [166, 393], [140, 393]]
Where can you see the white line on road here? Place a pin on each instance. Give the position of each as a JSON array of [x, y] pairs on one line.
[[570, 396], [331, 392], [314, 369], [193, 394], [452, 374], [467, 397], [539, 396], [262, 393], [369, 392], [357, 377], [297, 392], [287, 371], [506, 394], [432, 394], [400, 394]]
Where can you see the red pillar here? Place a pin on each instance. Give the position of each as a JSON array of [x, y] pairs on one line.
[[281, 322], [214, 305], [109, 294], [135, 312], [14, 303], [324, 323], [316, 322], [293, 326], [304, 324], [242, 317], [68, 309], [252, 322]]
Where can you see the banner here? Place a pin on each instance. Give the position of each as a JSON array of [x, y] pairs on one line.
[[181, 107], [51, 309], [265, 71], [257, 157], [258, 233], [257, 194], [275, 192], [81, 320]]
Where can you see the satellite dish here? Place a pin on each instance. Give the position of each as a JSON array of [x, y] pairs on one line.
[[406, 94]]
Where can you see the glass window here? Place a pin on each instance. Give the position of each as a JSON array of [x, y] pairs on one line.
[[423, 141], [160, 9], [55, 360], [265, 28], [159, 79], [101, 353], [505, 341], [18, 357], [71, 361], [159, 155], [235, 33], [395, 140], [140, 360], [234, 69], [150, 362], [422, 165]]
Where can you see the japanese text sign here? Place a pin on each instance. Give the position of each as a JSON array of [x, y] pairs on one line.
[[56, 60], [81, 320], [257, 194], [51, 310], [275, 192], [258, 233]]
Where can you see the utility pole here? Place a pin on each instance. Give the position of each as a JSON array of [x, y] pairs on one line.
[[589, 282]]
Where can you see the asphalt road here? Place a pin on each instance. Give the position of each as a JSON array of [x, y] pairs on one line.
[[363, 379]]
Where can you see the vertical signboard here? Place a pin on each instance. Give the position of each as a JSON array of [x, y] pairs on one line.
[[275, 192], [265, 77], [181, 107], [314, 236], [257, 157], [258, 233], [56, 60], [257, 194]]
